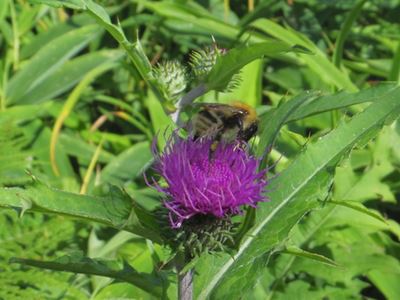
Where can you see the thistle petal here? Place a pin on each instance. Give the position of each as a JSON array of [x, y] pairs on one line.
[[199, 183]]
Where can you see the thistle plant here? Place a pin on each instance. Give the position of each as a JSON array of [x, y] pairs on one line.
[[211, 224]]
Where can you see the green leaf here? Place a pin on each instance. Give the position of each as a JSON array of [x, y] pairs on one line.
[[75, 4], [162, 123], [36, 236], [116, 210], [370, 184], [387, 283], [75, 146], [249, 89], [318, 62], [46, 62], [14, 160], [311, 103], [292, 194], [358, 207], [57, 30], [194, 15], [111, 269], [395, 68], [134, 50], [344, 32], [296, 251], [229, 64], [128, 165], [324, 103], [122, 290], [273, 120], [69, 74]]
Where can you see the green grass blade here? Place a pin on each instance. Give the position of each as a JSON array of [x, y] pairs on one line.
[[344, 32], [47, 61], [70, 74], [128, 165], [57, 30], [318, 62], [134, 50], [69, 106], [74, 4], [249, 89], [395, 69]]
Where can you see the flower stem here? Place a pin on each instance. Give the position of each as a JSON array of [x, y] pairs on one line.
[[185, 285], [187, 99]]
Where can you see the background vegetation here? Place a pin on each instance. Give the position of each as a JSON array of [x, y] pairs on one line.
[[78, 111]]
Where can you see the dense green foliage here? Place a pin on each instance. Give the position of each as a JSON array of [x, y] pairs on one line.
[[86, 85]]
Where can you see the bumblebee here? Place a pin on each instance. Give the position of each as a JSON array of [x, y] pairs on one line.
[[222, 122]]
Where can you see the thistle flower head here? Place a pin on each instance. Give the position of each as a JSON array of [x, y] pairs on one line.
[[204, 183]]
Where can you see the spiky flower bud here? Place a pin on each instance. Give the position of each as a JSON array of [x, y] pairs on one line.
[[202, 61], [171, 78]]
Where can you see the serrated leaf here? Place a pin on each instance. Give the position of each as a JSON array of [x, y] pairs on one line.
[[290, 199], [112, 269], [116, 210]]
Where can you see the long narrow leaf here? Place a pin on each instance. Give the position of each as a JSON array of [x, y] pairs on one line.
[[47, 61], [308, 176]]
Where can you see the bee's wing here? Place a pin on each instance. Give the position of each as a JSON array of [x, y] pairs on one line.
[[209, 120], [205, 124]]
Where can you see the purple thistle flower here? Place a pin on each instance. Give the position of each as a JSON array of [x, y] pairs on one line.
[[200, 182]]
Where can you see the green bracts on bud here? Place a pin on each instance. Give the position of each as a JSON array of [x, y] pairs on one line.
[[203, 60], [171, 78]]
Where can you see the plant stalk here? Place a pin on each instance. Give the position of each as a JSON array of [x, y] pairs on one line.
[[188, 99], [185, 285]]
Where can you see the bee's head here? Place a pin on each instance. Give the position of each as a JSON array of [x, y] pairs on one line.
[[248, 119], [249, 131]]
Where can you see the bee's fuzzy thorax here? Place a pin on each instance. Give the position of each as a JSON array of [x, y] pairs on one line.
[[250, 111], [224, 122]]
